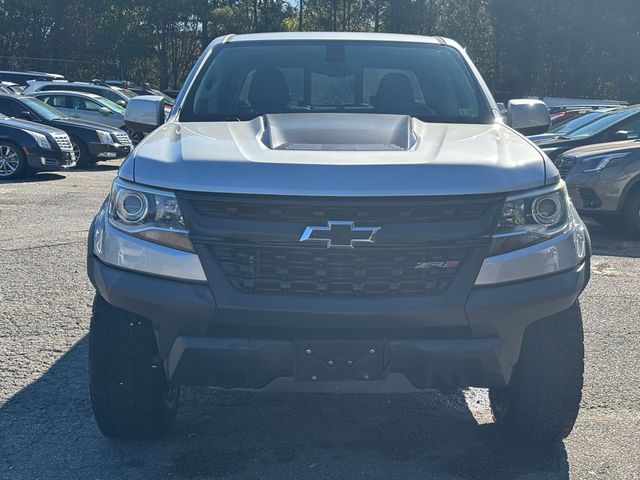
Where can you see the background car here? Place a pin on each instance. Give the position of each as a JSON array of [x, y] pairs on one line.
[[117, 95], [620, 124], [10, 87], [604, 182], [86, 106], [90, 141], [21, 78], [565, 128], [27, 145]]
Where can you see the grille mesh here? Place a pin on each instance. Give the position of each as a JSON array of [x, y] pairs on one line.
[[63, 141], [402, 212], [320, 271], [565, 164], [122, 138]]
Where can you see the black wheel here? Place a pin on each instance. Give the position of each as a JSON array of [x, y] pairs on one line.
[[130, 394], [81, 152], [631, 213], [13, 162], [542, 400]]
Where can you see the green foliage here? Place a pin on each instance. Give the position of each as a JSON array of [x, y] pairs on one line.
[[522, 47]]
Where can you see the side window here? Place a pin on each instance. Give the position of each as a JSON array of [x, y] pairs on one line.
[[7, 107], [80, 103], [632, 126], [57, 101], [109, 95]]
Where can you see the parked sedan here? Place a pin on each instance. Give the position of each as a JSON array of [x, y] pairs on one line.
[[117, 95], [604, 181], [91, 141], [620, 124], [27, 145], [86, 106]]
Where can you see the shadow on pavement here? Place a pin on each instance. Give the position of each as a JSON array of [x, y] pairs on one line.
[[35, 177], [612, 240], [47, 431]]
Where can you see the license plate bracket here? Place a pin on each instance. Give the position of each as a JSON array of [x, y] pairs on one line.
[[323, 361]]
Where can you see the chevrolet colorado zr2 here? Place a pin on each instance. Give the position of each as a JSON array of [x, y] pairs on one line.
[[339, 213]]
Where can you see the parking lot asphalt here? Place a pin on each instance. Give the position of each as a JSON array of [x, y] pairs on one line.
[[47, 429]]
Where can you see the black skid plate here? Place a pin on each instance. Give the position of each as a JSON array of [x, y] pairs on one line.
[[319, 361]]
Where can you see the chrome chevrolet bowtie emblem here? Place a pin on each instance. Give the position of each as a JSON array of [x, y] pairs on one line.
[[339, 234]]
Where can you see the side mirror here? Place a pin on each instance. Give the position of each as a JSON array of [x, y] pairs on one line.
[[144, 113], [621, 135], [529, 117], [105, 111], [25, 115], [122, 103]]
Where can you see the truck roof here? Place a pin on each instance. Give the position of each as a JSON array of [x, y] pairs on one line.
[[367, 36]]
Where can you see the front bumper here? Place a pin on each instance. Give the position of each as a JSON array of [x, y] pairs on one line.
[[106, 151], [41, 159], [467, 337], [597, 192]]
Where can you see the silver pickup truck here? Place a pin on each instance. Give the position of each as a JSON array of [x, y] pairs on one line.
[[332, 212]]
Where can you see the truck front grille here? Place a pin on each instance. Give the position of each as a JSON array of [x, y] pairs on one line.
[[256, 243], [354, 272], [361, 210]]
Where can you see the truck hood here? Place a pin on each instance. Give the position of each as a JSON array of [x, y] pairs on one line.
[[336, 155]]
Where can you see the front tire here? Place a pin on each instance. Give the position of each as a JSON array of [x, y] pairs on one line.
[[631, 213], [130, 394], [81, 152], [542, 400], [13, 162]]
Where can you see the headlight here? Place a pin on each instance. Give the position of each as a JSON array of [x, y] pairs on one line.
[[601, 162], [531, 218], [148, 213], [41, 140], [104, 137]]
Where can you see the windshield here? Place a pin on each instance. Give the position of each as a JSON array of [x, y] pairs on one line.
[[601, 123], [41, 109], [245, 80], [110, 105], [576, 123]]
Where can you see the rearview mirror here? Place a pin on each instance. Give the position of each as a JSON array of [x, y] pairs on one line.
[[104, 111], [529, 117], [144, 113]]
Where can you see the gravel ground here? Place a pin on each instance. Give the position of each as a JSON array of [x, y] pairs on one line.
[[47, 430]]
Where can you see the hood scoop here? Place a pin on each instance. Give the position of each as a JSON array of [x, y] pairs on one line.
[[338, 132]]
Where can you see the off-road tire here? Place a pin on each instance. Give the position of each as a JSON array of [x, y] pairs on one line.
[[542, 400], [130, 394], [631, 213]]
